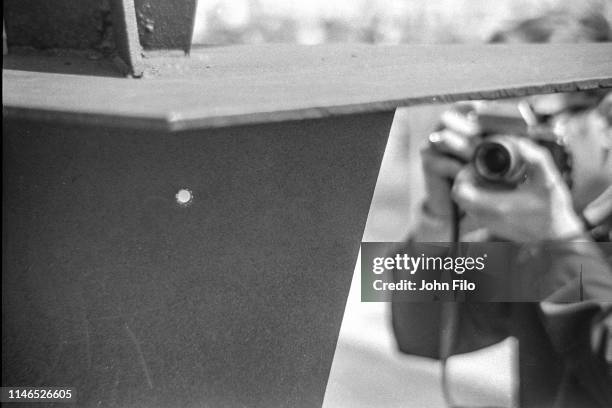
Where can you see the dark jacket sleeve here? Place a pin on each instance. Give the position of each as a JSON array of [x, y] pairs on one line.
[[581, 331], [421, 328]]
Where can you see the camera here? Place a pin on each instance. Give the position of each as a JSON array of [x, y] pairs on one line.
[[496, 158]]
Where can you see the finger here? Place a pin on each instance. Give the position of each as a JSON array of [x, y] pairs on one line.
[[540, 164], [462, 119], [452, 143], [474, 199], [439, 164], [605, 107]]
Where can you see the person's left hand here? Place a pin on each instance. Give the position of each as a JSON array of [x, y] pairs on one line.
[[538, 209]]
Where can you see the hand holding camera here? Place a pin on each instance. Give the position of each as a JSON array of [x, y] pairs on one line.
[[539, 208], [513, 182], [448, 150]]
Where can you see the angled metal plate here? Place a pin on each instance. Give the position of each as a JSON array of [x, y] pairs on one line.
[[234, 298], [258, 84]]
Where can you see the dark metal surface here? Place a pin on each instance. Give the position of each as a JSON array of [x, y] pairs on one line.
[[125, 30], [238, 85], [65, 63], [165, 24], [81, 24], [109, 285]]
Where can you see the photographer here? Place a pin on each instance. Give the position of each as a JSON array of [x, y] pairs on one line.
[[565, 357]]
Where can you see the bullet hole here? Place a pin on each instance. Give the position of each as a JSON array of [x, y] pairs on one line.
[[184, 197]]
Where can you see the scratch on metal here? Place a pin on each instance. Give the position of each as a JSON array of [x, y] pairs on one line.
[[141, 358]]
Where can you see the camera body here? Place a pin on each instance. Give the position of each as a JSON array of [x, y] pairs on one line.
[[496, 159]]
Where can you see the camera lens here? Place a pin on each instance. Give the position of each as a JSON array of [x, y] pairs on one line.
[[496, 160]]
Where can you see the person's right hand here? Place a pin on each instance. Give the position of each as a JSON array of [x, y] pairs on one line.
[[447, 152], [538, 209]]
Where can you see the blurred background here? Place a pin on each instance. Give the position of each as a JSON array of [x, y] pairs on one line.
[[367, 370], [369, 21]]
